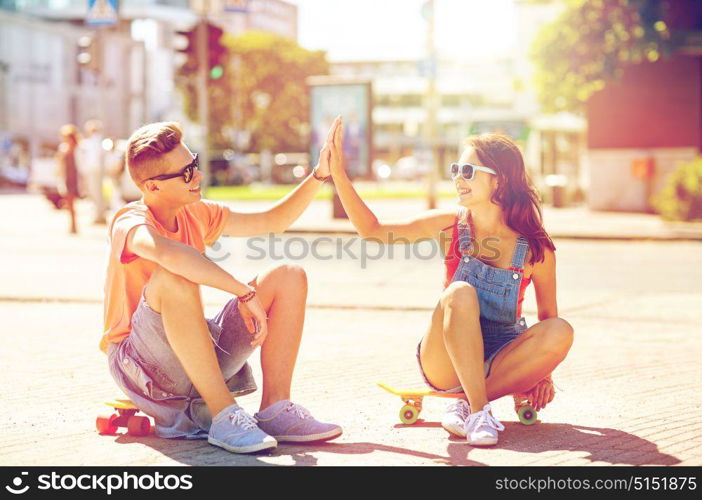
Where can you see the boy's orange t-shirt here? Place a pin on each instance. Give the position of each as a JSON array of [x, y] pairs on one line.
[[200, 224]]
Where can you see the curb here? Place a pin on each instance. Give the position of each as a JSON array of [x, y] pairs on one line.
[[346, 307], [555, 235]]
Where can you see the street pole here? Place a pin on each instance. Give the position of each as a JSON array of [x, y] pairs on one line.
[[430, 104], [237, 112], [4, 69], [99, 42], [202, 98], [144, 83]]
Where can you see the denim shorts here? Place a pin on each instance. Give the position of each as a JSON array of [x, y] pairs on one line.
[[495, 337], [145, 367]]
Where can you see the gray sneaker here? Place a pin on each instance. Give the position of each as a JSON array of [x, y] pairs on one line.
[[288, 422], [235, 430]]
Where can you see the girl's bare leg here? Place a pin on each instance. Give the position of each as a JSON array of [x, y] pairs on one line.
[[529, 358], [452, 350], [453, 345]]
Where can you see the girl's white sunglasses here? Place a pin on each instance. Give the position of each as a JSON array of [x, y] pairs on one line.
[[467, 170]]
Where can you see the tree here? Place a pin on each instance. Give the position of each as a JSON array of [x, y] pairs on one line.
[[591, 42], [262, 90]]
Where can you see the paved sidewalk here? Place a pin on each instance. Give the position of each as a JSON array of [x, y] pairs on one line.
[[629, 387]]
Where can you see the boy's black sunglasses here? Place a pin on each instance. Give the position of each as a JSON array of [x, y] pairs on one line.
[[186, 173]]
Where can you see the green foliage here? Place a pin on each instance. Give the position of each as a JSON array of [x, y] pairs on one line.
[[367, 191], [681, 199], [590, 43], [261, 90]]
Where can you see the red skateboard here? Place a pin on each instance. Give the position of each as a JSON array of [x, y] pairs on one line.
[[125, 416]]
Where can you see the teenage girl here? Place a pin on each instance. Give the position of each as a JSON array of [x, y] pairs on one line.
[[495, 244]]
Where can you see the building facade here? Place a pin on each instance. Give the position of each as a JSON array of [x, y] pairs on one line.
[[641, 128], [644, 125], [474, 97], [129, 78]]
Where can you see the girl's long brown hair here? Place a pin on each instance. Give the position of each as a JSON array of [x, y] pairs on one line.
[[515, 192]]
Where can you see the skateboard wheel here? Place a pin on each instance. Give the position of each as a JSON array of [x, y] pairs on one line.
[[527, 415], [105, 424], [138, 426], [409, 414]]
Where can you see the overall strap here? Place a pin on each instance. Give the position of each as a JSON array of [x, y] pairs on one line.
[[463, 230], [520, 253]]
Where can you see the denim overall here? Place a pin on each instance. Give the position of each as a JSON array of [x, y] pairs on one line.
[[498, 296], [497, 289]]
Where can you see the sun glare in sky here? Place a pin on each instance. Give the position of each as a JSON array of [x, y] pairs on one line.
[[396, 29]]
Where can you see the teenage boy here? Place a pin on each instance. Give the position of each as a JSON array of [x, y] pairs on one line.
[[175, 365]]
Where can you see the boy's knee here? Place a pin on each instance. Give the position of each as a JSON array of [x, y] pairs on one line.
[[163, 276], [164, 283], [291, 275]]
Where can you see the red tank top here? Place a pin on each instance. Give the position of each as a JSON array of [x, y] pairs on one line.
[[453, 257]]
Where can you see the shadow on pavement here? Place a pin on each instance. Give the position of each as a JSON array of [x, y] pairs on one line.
[[191, 452], [600, 444], [419, 423], [302, 455]]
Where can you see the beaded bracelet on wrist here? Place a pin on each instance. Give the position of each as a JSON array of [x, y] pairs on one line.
[[247, 297], [320, 178]]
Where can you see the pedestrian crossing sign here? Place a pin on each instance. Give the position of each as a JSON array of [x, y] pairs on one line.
[[236, 6], [102, 13]]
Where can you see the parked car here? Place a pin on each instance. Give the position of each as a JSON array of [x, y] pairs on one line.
[[43, 178], [14, 166], [409, 168], [13, 176]]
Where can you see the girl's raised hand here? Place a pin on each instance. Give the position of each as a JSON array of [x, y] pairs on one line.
[[323, 168], [336, 146]]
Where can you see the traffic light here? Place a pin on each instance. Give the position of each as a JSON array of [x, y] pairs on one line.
[[189, 49], [88, 53], [216, 52]]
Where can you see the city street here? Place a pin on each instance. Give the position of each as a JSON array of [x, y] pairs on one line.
[[628, 393]]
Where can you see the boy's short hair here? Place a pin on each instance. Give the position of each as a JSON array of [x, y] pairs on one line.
[[146, 146]]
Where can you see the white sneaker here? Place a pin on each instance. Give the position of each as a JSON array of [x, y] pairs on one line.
[[454, 420], [481, 428]]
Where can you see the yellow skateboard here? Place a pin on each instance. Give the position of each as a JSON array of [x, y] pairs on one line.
[[413, 403], [126, 416]]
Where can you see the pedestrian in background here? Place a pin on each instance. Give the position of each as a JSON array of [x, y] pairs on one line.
[[114, 169], [91, 163], [67, 171]]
